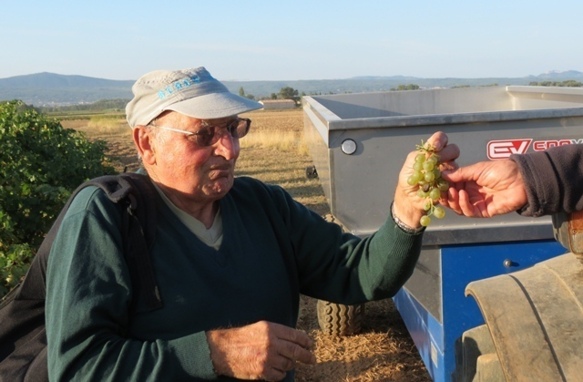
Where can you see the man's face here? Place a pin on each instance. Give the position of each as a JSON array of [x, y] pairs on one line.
[[201, 173]]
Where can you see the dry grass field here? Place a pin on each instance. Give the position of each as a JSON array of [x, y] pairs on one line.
[[274, 151]]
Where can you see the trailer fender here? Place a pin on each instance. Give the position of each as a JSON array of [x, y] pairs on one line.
[[535, 319]]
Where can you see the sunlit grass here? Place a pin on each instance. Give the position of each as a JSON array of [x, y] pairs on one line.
[[107, 125], [273, 151], [276, 139]]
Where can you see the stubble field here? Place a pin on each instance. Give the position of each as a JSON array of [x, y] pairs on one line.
[[274, 152]]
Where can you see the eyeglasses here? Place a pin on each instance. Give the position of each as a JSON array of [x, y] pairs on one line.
[[208, 135]]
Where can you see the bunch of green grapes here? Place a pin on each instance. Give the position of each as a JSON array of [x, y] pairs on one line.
[[427, 176]]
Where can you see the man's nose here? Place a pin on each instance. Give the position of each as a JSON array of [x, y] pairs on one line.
[[227, 146]]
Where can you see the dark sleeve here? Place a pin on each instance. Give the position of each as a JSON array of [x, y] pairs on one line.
[[553, 179], [340, 267]]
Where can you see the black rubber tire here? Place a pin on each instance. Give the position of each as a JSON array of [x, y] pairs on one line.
[[311, 172], [339, 320]]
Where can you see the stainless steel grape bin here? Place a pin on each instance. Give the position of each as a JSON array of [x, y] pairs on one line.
[[358, 143]]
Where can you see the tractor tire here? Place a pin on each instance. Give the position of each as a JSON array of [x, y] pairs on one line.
[[311, 172], [339, 320]]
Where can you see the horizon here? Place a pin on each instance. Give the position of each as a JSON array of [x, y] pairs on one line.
[[550, 72], [302, 40]]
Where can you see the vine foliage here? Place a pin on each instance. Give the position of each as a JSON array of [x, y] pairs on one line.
[[41, 163]]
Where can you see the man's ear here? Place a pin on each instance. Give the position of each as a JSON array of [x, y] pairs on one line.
[[144, 144]]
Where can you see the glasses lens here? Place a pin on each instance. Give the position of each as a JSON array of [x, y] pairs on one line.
[[210, 134], [205, 136], [239, 127]]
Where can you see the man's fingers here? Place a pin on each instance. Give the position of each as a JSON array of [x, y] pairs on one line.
[[296, 353], [460, 174], [469, 209], [449, 153], [438, 140], [294, 345], [293, 335]]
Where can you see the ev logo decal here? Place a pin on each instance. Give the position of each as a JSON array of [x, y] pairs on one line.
[[504, 148]]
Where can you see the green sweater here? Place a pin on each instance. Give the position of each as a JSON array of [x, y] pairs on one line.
[[273, 249]]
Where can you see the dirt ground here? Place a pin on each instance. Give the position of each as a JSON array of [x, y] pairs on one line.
[[383, 350]]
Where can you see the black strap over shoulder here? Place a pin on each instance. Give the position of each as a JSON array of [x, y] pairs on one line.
[[139, 223], [22, 312]]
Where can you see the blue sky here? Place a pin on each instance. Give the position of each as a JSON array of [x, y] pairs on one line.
[[292, 40]]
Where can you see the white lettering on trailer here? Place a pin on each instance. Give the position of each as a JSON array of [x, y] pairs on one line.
[[547, 144], [500, 149]]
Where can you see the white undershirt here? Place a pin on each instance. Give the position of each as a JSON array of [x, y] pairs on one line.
[[212, 236]]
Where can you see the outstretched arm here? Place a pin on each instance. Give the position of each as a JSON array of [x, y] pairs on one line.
[[553, 179]]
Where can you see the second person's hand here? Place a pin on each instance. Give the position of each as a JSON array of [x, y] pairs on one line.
[[485, 189]]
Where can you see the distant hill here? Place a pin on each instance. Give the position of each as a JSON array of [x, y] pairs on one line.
[[45, 89], [554, 75]]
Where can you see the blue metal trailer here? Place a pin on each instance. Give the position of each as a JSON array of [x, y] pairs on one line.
[[358, 143]]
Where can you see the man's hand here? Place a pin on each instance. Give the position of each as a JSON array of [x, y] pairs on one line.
[[263, 350], [485, 189], [408, 206]]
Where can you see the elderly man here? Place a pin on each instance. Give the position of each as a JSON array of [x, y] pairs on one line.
[[231, 256]]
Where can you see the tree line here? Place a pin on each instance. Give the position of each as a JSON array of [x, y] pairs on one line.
[[287, 92], [568, 83]]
